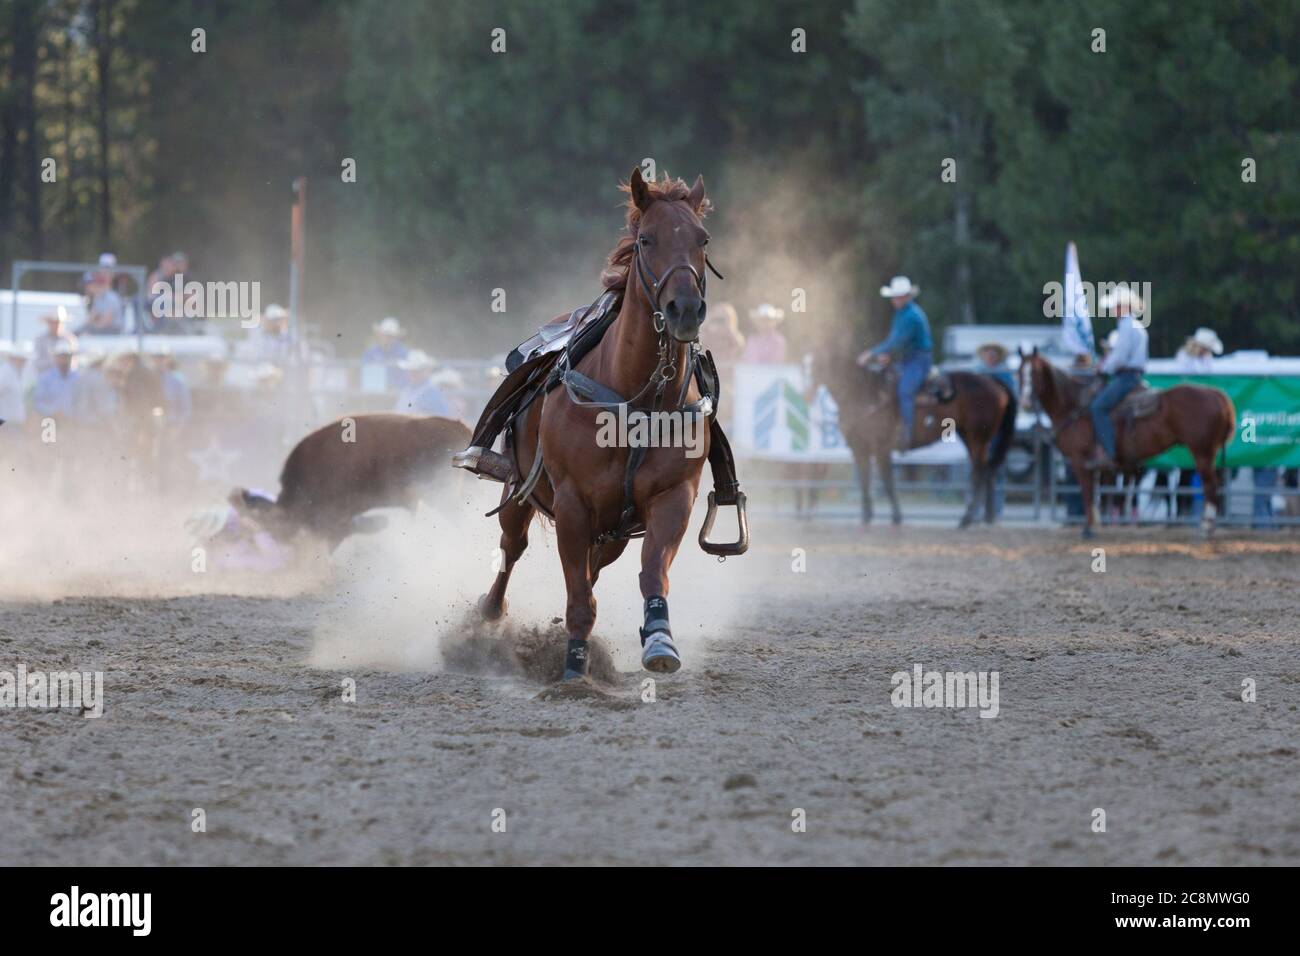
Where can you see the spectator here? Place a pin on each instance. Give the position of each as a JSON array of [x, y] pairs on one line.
[[105, 310], [271, 340], [767, 345], [170, 322], [421, 396], [388, 351], [993, 361], [56, 331], [13, 407], [53, 392], [176, 393], [1197, 354], [722, 336], [94, 399]]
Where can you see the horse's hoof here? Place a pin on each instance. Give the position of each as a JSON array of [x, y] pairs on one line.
[[1088, 533], [660, 653], [896, 519], [573, 675], [963, 524], [487, 611]]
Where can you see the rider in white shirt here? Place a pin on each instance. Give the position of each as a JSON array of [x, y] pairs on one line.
[[1125, 364]]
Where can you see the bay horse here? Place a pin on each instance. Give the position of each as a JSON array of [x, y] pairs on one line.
[[658, 265], [344, 469], [1200, 417], [975, 408]]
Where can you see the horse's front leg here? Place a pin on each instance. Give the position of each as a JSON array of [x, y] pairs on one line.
[[885, 461], [667, 515], [515, 519], [1086, 478], [863, 465], [972, 506]]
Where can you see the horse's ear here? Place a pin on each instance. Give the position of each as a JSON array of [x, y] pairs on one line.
[[1035, 352], [1020, 350], [697, 193], [640, 191]]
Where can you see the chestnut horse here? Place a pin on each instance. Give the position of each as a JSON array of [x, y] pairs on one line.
[[1197, 416], [659, 265], [977, 409]]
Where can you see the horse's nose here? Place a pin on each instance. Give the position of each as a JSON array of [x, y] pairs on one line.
[[685, 314]]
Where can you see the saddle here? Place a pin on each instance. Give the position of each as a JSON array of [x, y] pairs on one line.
[[548, 359], [935, 390], [1142, 401], [556, 335]]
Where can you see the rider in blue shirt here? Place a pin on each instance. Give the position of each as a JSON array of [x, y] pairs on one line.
[[909, 345]]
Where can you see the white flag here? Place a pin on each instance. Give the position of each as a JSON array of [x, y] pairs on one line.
[[1076, 319]]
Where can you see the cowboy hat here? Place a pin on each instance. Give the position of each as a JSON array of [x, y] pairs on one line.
[[275, 312], [898, 287], [1206, 338], [391, 327], [449, 377], [1122, 298], [417, 360], [767, 311], [997, 347]]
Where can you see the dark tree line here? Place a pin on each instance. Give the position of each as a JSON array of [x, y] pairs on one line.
[[1171, 157]]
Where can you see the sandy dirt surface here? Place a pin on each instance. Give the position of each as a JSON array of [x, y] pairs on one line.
[[1119, 690]]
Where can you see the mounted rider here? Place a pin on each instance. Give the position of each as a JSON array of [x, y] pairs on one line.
[[1125, 364], [909, 340]]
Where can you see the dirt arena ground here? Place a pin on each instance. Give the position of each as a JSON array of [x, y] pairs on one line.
[[1119, 690]]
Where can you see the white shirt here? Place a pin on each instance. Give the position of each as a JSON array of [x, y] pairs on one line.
[[1130, 349]]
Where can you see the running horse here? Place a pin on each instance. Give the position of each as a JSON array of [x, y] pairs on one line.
[[975, 408], [1147, 423], [601, 495]]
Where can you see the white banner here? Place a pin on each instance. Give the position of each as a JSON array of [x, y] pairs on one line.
[[778, 417]]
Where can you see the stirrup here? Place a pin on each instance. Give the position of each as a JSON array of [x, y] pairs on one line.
[[485, 463], [723, 549]]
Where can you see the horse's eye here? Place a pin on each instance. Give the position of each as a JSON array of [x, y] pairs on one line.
[[644, 240], [704, 241]]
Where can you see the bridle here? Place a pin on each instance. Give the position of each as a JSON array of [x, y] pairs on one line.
[[654, 287]]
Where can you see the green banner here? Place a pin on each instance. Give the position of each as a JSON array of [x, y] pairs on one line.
[[1268, 420]]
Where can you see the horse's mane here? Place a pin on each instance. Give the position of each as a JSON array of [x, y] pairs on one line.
[[619, 262], [1064, 385]]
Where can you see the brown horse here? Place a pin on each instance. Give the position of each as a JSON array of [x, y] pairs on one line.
[[645, 357], [352, 465], [1199, 417], [973, 407]]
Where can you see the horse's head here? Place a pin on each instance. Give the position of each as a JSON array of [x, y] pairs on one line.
[[668, 256], [1033, 375]]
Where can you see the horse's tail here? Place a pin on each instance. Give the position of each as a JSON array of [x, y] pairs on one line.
[[1230, 429], [1006, 430]]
